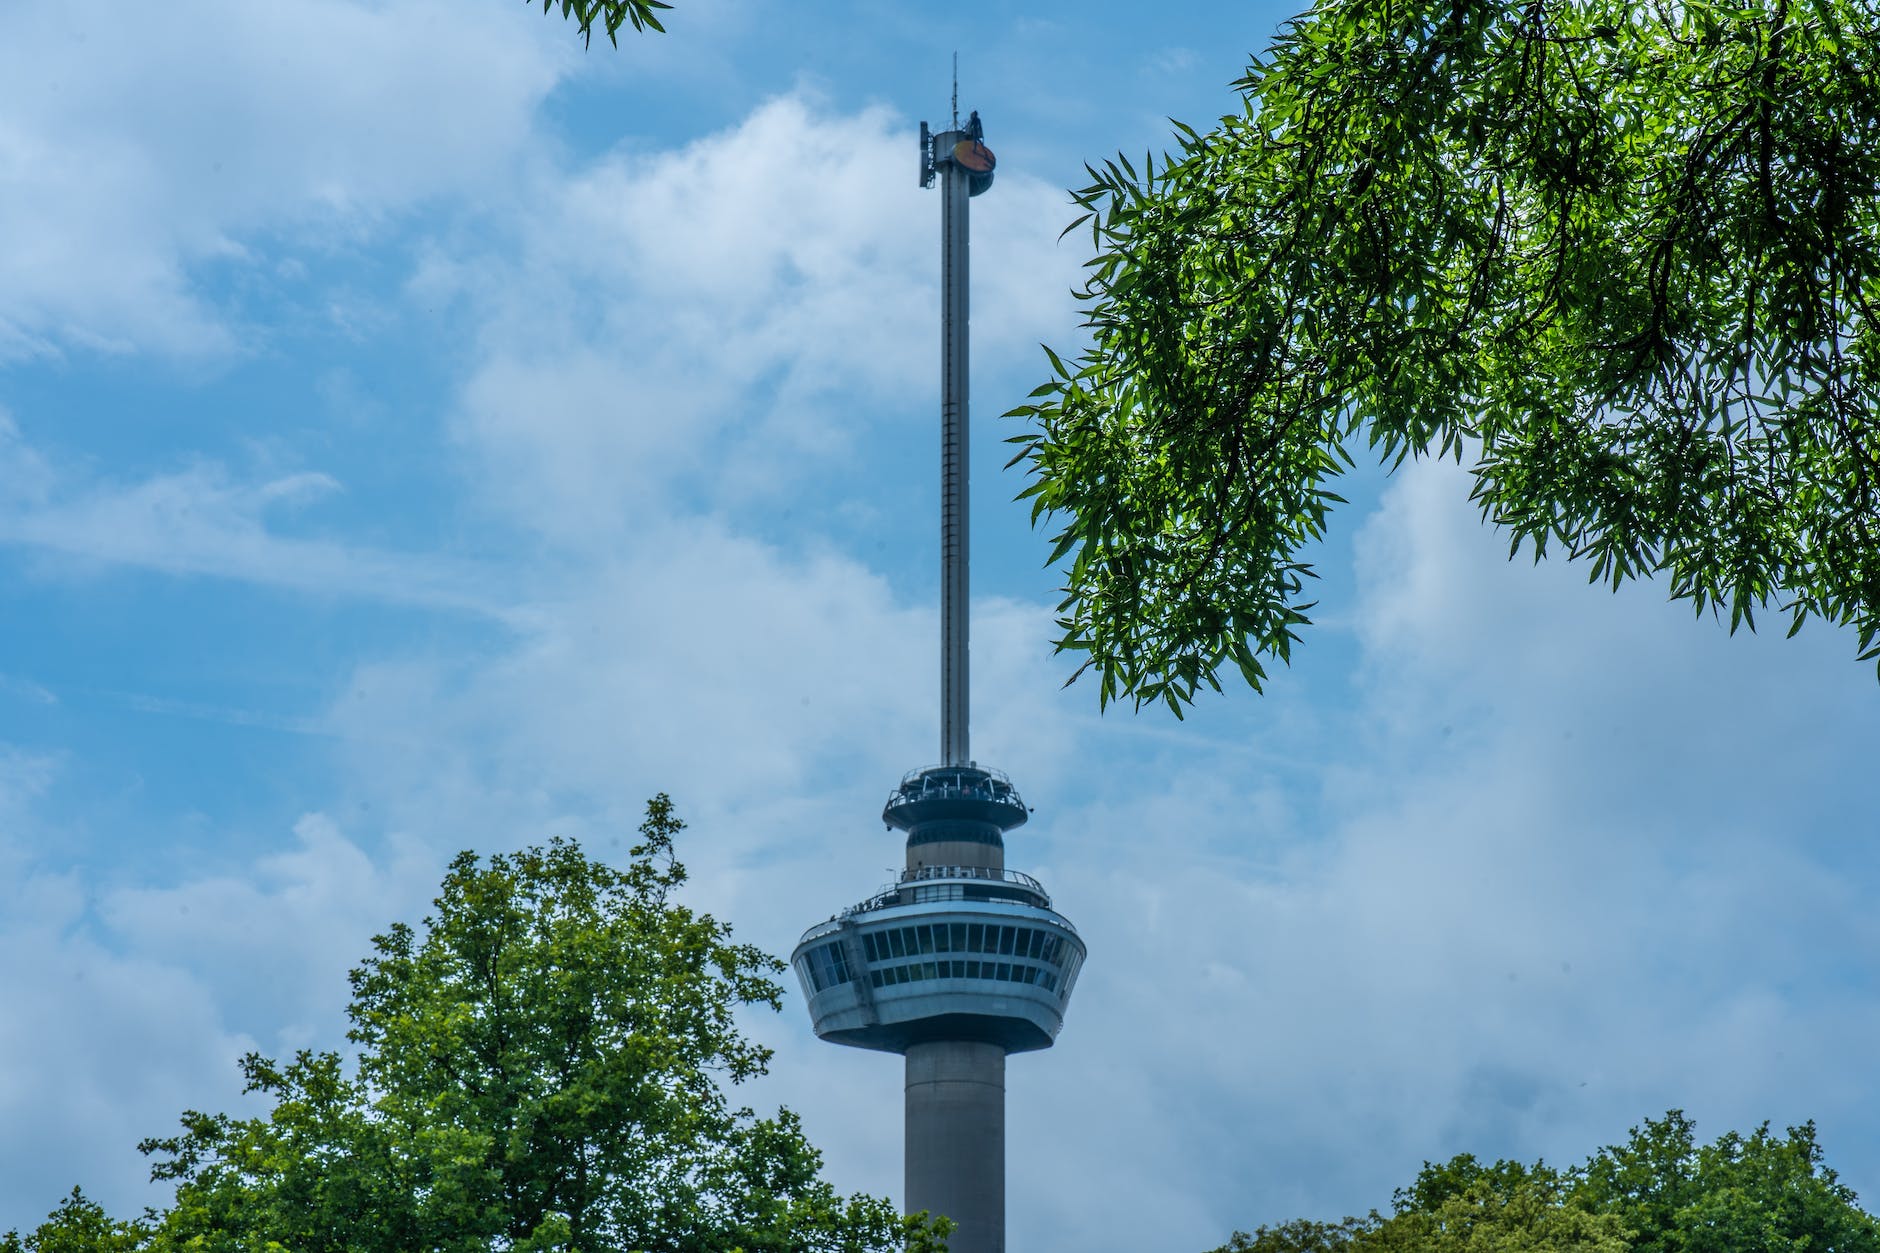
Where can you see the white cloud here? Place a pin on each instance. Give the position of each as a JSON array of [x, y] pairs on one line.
[[204, 521], [707, 325], [137, 144], [128, 1003], [276, 936], [1568, 913], [702, 662]]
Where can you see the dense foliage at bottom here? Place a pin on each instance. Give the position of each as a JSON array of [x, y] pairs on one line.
[[1659, 1192]]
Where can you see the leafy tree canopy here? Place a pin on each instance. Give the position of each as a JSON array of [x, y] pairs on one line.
[[79, 1225], [1764, 1192], [542, 1064], [1659, 1192], [1621, 257]]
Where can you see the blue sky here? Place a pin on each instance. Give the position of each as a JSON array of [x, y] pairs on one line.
[[417, 433]]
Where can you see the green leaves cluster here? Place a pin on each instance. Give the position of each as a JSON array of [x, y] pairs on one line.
[[1622, 257], [642, 15], [541, 1065], [1660, 1192], [79, 1225]]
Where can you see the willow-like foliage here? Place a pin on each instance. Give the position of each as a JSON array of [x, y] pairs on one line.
[[1618, 257], [641, 15]]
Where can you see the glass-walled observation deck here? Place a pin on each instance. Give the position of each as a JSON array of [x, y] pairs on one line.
[[946, 952]]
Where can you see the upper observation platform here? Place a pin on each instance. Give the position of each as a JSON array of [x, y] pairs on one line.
[[970, 803]]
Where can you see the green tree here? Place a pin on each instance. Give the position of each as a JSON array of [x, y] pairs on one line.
[[79, 1225], [1660, 1192], [1437, 1184], [1299, 1236], [1485, 1212], [541, 1065], [1620, 257], [1764, 1193], [1489, 1215]]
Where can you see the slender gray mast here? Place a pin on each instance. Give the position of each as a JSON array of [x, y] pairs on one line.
[[956, 193], [960, 962]]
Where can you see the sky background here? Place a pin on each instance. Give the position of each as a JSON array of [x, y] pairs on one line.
[[418, 433]]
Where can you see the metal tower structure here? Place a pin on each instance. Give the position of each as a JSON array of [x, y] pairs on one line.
[[960, 961]]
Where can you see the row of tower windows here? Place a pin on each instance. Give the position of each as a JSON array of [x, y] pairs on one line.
[[824, 966], [827, 965], [963, 937], [1010, 972]]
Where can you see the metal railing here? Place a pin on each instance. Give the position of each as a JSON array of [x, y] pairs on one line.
[[979, 782], [996, 875], [890, 895]]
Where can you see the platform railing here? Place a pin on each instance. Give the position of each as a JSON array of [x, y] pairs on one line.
[[996, 874], [890, 894], [978, 782]]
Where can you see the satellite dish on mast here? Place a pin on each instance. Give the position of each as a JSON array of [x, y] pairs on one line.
[[974, 155], [977, 160]]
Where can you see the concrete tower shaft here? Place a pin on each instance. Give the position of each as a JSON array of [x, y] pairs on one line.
[[956, 1140]]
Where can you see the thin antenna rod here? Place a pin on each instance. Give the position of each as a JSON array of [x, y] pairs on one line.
[[955, 552], [956, 91]]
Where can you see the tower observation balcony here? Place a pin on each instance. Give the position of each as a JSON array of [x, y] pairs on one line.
[[937, 798], [944, 953], [955, 815]]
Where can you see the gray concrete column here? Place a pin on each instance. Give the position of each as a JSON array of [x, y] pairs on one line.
[[956, 1140], [956, 853]]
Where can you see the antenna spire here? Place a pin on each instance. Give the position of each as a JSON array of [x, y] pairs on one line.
[[964, 164]]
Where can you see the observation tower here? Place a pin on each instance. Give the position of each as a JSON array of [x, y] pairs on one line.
[[960, 961]]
